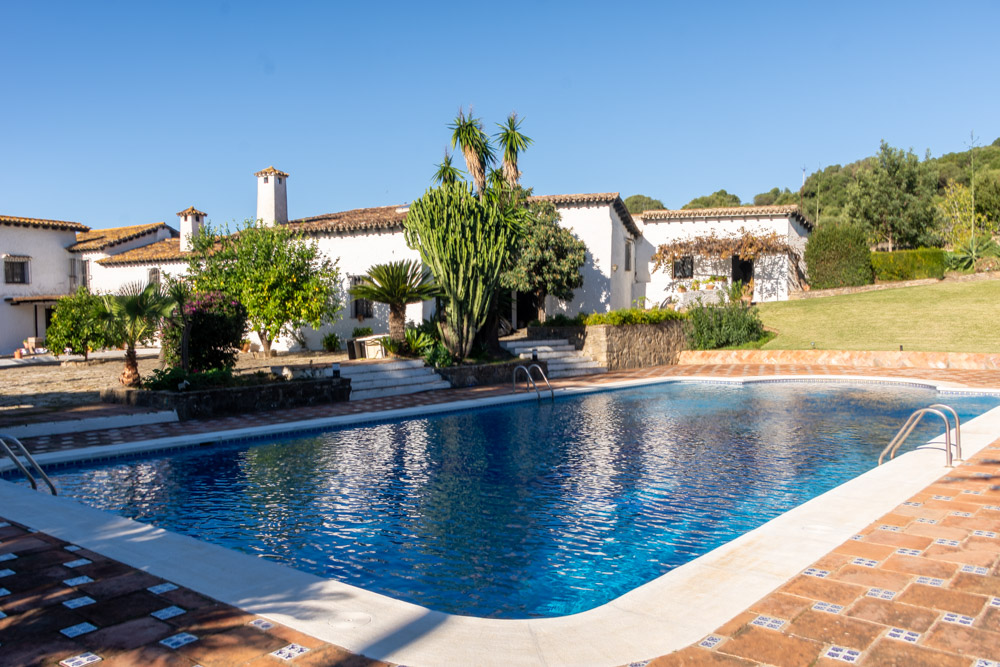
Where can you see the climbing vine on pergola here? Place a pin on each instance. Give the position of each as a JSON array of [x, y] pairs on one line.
[[746, 245]]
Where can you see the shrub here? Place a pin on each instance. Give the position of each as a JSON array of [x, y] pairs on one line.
[[908, 264], [560, 320], [417, 341], [177, 379], [361, 332], [438, 356], [634, 316], [837, 255], [730, 323], [331, 342], [216, 324], [76, 325]]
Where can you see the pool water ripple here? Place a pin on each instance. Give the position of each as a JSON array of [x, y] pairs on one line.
[[524, 510]]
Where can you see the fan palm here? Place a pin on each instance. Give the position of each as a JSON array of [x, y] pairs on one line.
[[467, 133], [513, 143], [396, 284], [133, 316]]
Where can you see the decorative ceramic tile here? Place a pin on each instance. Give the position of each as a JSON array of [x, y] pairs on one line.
[[993, 508], [891, 529], [80, 562], [942, 497], [984, 533], [767, 622], [162, 588], [843, 654], [880, 593], [857, 538], [289, 652], [78, 629], [639, 663], [3, 592], [930, 581], [80, 660], [962, 514], [972, 492], [261, 624], [947, 543], [865, 562], [911, 503], [6, 573], [178, 640], [75, 603], [7, 557], [3, 615], [71, 548], [924, 519], [710, 641], [995, 602], [909, 552], [975, 569], [828, 607], [959, 619], [813, 572], [903, 635], [168, 612], [983, 662], [77, 581]]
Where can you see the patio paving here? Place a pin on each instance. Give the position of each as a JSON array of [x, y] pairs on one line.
[[920, 586]]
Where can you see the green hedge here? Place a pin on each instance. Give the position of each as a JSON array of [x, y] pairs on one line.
[[909, 264], [634, 316], [837, 255]]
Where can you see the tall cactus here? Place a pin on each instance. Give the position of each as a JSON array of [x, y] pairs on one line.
[[466, 244]]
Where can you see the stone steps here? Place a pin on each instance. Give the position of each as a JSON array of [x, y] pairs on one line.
[[391, 378], [563, 359]]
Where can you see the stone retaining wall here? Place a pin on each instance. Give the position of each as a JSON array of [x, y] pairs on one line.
[[206, 403], [486, 374], [622, 347], [871, 359]]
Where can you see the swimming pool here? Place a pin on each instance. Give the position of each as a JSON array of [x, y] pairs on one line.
[[526, 510]]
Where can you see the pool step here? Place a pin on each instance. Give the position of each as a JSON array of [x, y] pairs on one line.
[[391, 378], [564, 360]]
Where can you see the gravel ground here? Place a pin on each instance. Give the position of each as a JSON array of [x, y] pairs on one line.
[[80, 383]]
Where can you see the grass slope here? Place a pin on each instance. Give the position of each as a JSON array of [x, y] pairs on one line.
[[946, 317]]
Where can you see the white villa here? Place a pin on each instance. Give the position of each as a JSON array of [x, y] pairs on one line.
[[45, 259]]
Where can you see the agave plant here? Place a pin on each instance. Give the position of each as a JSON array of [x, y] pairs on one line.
[[133, 316], [396, 284]]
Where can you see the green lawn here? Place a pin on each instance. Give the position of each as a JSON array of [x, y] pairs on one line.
[[947, 317]]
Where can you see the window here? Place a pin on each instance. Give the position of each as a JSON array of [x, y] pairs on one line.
[[684, 267], [265, 179], [360, 308], [73, 280], [279, 180], [153, 278], [628, 255], [85, 272], [15, 270]]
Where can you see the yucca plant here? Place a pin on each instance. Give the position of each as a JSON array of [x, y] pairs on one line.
[[447, 173], [396, 284], [512, 142], [133, 316], [468, 134]]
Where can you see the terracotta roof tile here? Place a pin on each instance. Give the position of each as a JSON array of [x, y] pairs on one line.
[[792, 210], [359, 219], [271, 170], [98, 239], [191, 210], [42, 224], [168, 250]]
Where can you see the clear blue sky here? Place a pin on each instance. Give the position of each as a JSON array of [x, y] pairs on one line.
[[125, 113]]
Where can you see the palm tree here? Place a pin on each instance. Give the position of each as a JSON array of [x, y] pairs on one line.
[[447, 173], [396, 284], [132, 316], [467, 132], [512, 142]]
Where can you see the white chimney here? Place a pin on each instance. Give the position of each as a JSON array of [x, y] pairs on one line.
[[272, 200], [191, 222]]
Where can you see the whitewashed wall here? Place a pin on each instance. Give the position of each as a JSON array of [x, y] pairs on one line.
[[774, 277], [606, 283], [48, 273]]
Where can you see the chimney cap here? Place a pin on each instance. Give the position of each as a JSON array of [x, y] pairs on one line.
[[271, 170], [191, 210]]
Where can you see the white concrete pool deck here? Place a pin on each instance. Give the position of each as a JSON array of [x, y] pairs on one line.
[[666, 614]]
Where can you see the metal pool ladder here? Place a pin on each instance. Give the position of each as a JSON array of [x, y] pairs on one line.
[[911, 423], [13, 456], [530, 382]]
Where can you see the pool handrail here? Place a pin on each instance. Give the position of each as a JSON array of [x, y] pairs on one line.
[[911, 424], [5, 448], [541, 372], [958, 428], [529, 381]]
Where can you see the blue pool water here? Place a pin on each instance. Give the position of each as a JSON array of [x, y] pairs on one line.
[[523, 510]]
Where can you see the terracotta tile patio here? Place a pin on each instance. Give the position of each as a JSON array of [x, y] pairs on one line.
[[920, 586]]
